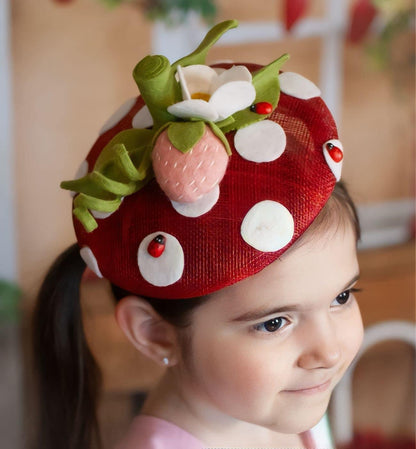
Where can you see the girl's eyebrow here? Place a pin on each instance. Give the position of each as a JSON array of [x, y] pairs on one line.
[[253, 315]]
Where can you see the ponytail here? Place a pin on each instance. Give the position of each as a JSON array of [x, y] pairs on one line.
[[68, 377]]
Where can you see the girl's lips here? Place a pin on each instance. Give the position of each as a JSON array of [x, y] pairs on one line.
[[311, 390]]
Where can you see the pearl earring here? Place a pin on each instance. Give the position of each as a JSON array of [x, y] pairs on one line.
[[165, 361]]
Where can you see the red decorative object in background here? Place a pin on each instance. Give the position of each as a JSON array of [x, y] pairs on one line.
[[375, 440], [362, 15], [293, 11]]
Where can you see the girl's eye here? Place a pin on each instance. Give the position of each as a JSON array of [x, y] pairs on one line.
[[343, 297], [271, 325]]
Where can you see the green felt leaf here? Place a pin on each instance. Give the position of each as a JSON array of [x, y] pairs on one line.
[[156, 81], [185, 135], [199, 55], [226, 122], [218, 132], [132, 139], [266, 83], [122, 168]]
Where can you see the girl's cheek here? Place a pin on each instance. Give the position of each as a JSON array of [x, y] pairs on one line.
[[354, 331]]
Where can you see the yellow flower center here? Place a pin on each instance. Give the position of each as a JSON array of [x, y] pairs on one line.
[[200, 96]]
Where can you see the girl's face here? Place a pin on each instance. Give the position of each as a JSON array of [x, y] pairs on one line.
[[270, 349]]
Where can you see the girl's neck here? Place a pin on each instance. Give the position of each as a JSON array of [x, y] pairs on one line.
[[213, 428]]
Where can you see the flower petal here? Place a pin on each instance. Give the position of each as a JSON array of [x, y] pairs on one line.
[[232, 97], [194, 109], [185, 92], [199, 78], [236, 73]]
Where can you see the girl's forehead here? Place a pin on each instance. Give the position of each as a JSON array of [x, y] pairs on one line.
[[320, 267]]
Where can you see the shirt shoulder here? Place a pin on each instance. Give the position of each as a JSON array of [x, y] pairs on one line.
[[149, 432]]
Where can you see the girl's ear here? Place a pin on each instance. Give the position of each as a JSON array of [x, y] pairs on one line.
[[147, 330]]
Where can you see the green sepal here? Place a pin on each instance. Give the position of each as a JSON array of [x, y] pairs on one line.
[[226, 122], [266, 83], [218, 132], [199, 55], [185, 135]]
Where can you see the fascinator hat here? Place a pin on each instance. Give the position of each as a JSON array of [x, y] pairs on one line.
[[205, 178]]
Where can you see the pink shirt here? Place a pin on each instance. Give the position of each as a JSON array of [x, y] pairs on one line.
[[148, 432]]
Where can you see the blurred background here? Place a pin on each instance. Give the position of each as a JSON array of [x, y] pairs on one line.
[[66, 66]]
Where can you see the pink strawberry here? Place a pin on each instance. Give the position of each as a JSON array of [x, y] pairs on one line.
[[186, 177]]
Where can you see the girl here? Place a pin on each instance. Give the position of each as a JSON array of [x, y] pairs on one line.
[[212, 205]]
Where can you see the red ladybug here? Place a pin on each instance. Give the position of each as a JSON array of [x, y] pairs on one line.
[[334, 152], [157, 246], [263, 107]]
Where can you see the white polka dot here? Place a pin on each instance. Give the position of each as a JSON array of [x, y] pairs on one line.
[[103, 215], [81, 172], [118, 115], [166, 269], [298, 86], [199, 207], [263, 141], [336, 167], [268, 226], [89, 258], [142, 119]]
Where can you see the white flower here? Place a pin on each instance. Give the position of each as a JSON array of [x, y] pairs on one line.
[[212, 95]]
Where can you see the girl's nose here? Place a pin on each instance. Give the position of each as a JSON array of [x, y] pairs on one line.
[[321, 348]]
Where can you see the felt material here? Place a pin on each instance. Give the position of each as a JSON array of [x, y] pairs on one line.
[[158, 87], [123, 167], [166, 269], [268, 226], [214, 253], [114, 175], [199, 55], [80, 173], [261, 142], [90, 260], [266, 84], [298, 86], [232, 97], [142, 119], [199, 207], [117, 115], [195, 78], [336, 167], [222, 94], [184, 136], [186, 177], [194, 108]]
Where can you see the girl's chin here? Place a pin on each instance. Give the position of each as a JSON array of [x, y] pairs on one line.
[[300, 421]]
